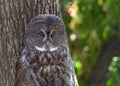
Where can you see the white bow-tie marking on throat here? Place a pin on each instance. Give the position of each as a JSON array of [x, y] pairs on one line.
[[43, 49]]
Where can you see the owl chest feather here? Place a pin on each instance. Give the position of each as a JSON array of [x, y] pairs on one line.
[[50, 64], [51, 67]]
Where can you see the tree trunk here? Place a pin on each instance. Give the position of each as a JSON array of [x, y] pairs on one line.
[[14, 16], [109, 49]]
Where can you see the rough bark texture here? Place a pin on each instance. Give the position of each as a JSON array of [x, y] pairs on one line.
[[109, 49], [14, 16]]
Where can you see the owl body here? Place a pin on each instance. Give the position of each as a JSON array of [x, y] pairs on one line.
[[45, 60]]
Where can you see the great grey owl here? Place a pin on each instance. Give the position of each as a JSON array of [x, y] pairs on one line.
[[45, 60]]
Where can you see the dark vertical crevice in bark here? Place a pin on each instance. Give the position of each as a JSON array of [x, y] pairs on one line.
[[109, 49]]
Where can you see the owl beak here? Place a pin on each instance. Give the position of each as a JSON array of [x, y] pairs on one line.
[[48, 42]]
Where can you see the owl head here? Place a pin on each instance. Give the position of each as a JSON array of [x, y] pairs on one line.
[[45, 32]]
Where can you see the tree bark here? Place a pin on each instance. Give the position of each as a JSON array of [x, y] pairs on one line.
[[14, 16], [109, 49]]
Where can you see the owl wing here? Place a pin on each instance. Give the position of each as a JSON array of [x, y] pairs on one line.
[[73, 77], [25, 76]]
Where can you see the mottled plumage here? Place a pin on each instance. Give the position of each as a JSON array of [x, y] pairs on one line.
[[45, 60]]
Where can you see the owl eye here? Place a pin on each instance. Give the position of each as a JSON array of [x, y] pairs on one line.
[[53, 33], [41, 33]]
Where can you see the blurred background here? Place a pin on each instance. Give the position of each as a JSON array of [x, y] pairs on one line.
[[93, 30]]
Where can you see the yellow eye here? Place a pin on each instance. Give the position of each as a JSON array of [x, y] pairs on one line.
[[53, 33], [41, 33]]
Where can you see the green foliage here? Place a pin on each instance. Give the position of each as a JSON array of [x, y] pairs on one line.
[[89, 23], [113, 75]]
